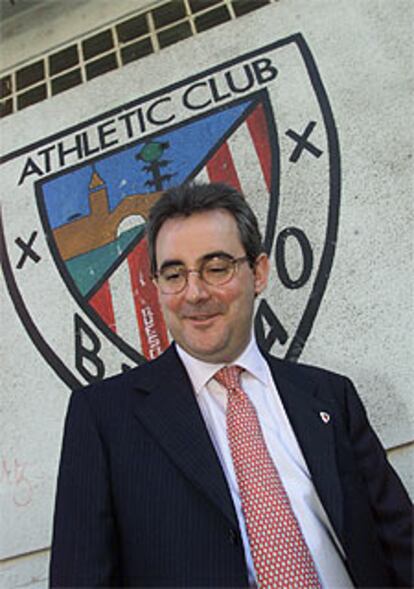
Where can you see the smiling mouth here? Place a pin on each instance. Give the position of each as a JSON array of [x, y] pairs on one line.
[[202, 319]]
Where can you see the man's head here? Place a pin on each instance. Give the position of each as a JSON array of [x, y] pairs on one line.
[[208, 261], [187, 199]]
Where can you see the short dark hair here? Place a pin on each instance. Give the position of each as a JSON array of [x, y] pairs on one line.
[[190, 198]]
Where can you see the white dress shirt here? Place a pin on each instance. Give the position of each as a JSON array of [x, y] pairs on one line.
[[257, 382]]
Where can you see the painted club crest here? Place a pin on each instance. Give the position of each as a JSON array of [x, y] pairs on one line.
[[79, 275]]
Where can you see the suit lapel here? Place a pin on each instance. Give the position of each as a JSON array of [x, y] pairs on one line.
[[315, 436], [166, 406]]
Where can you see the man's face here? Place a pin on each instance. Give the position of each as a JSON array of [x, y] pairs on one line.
[[212, 323]]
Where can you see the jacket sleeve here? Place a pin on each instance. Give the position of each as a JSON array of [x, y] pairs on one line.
[[390, 503], [84, 547]]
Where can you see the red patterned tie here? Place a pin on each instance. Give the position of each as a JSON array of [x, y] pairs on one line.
[[280, 554]]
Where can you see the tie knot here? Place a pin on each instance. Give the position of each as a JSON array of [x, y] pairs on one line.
[[229, 377]]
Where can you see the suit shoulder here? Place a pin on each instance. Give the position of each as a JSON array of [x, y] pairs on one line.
[[307, 377], [120, 386], [296, 370], [108, 385]]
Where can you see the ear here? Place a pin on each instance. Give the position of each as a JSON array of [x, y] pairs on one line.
[[261, 273]]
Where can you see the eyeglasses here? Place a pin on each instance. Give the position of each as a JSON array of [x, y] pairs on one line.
[[215, 271]]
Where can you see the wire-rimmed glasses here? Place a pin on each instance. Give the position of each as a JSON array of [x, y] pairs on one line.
[[214, 271]]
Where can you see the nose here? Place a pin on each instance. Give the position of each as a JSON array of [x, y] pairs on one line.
[[197, 289]]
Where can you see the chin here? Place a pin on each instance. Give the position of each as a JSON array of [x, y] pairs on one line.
[[204, 352]]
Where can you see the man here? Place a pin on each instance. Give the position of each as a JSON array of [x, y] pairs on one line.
[[217, 465]]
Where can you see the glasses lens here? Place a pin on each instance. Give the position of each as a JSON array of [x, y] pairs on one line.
[[172, 279], [217, 271]]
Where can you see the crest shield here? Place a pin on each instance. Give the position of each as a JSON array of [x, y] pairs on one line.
[[245, 123]]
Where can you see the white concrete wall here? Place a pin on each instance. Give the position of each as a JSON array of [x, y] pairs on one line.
[[364, 323], [32, 27]]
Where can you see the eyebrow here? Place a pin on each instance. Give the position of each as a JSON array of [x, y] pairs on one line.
[[209, 256]]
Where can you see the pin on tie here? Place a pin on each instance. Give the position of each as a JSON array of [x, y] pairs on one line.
[[325, 416]]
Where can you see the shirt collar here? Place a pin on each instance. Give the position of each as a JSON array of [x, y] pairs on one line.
[[201, 372]]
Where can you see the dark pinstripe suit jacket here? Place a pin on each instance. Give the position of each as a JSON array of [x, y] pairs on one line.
[[142, 500]]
